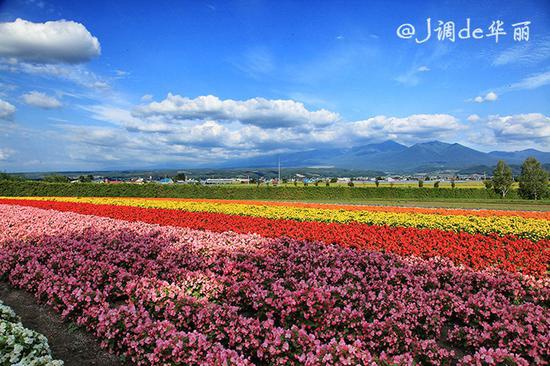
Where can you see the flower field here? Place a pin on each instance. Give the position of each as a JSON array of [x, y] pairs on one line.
[[166, 281], [515, 223]]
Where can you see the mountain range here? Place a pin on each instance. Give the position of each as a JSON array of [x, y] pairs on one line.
[[390, 156]]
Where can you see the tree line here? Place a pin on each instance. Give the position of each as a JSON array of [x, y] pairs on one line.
[[533, 180]]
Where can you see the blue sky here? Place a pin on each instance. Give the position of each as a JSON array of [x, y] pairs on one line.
[[128, 84]]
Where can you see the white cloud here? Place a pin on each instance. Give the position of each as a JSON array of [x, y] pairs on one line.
[[41, 100], [255, 62], [77, 74], [121, 73], [260, 112], [407, 129], [489, 97], [532, 82], [526, 53], [147, 98], [473, 118], [411, 77], [531, 127], [59, 41], [5, 153], [6, 109]]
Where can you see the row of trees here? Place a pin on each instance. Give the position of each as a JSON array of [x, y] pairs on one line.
[[533, 180]]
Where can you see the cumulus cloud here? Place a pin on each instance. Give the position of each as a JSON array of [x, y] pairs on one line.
[[58, 41], [473, 118], [41, 100], [407, 129], [5, 153], [489, 97], [6, 109], [530, 127], [260, 112]]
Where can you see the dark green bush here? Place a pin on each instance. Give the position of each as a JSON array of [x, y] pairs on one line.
[[28, 188]]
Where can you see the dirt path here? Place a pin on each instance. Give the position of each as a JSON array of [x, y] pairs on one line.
[[72, 345]]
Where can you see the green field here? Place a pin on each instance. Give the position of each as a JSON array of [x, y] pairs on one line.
[[465, 197]]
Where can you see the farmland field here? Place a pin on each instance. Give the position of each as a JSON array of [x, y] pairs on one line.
[[209, 281]]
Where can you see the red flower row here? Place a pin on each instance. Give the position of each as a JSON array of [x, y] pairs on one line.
[[474, 250]]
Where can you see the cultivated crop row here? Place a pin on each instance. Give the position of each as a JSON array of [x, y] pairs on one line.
[[158, 295]]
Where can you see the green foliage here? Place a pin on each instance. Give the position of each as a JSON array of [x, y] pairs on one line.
[[179, 176], [420, 183], [55, 178], [488, 183], [436, 184], [6, 176], [350, 184], [377, 182], [333, 180], [453, 184], [502, 178], [31, 188], [533, 180], [86, 178]]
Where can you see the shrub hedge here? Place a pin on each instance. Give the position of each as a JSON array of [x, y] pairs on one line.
[[29, 188]]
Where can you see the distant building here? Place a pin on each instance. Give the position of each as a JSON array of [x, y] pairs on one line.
[[221, 181], [166, 181]]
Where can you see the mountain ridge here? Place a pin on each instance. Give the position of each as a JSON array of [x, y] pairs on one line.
[[391, 156]]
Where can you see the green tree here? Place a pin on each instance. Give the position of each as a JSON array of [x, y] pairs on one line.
[[488, 184], [56, 178], [420, 183], [502, 178], [180, 176], [533, 180], [6, 176], [350, 183], [377, 182], [333, 180], [436, 184], [453, 183], [86, 178]]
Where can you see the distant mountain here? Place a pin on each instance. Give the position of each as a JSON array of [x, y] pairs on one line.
[[391, 156], [520, 156], [383, 147]]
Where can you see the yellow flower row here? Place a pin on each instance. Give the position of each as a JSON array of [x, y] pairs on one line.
[[534, 229]]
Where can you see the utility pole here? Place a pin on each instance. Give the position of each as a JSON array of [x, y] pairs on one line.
[[279, 180]]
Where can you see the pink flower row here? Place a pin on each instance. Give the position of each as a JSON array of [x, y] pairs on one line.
[[161, 294]]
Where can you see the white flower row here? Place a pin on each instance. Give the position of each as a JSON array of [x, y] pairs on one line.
[[20, 346]]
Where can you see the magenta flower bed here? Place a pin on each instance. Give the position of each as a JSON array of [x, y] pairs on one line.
[[160, 295]]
